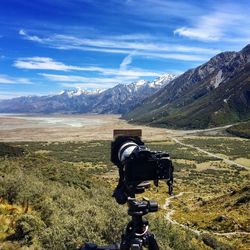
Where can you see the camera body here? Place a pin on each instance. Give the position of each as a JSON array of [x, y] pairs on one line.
[[143, 165], [137, 164]]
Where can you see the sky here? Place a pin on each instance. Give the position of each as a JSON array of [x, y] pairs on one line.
[[47, 46]]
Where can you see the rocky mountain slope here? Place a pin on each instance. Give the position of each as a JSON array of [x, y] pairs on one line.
[[215, 93], [117, 100]]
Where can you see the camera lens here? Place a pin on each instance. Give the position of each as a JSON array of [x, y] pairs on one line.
[[126, 149]]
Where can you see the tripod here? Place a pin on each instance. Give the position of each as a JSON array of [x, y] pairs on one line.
[[137, 234]]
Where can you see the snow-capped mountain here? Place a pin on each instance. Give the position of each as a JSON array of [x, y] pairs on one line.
[[119, 99], [124, 97], [79, 91], [162, 81], [215, 93]]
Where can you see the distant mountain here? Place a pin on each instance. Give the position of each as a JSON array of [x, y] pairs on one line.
[[117, 100], [65, 102], [122, 98], [215, 93]]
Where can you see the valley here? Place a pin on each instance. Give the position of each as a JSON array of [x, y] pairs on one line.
[[89, 127], [75, 75]]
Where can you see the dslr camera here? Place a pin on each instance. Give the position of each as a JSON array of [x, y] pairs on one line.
[[137, 164]]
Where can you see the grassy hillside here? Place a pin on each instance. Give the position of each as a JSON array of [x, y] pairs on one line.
[[242, 130], [215, 198], [227, 221], [58, 195], [62, 203], [198, 105]]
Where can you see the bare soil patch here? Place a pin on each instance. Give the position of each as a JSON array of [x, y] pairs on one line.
[[20, 128]]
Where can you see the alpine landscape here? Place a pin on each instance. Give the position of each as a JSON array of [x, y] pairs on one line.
[[74, 71]]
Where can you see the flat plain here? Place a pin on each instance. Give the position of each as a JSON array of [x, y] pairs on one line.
[[68, 128]]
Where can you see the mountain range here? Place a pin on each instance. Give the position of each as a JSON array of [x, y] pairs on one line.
[[117, 100], [215, 93]]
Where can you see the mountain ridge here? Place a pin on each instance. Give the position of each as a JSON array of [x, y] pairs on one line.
[[117, 100], [215, 93]]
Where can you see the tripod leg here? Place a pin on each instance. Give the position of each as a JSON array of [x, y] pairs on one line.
[[136, 244], [125, 243], [131, 243], [152, 244]]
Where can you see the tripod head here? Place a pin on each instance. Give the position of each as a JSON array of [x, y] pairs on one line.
[[140, 208], [137, 234]]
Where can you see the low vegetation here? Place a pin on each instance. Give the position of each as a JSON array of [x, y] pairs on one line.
[[229, 147], [58, 195], [242, 130]]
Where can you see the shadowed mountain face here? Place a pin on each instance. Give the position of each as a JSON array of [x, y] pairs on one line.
[[117, 100], [215, 93]]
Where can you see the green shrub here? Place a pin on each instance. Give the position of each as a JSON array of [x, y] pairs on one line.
[[214, 243], [28, 228], [241, 130]]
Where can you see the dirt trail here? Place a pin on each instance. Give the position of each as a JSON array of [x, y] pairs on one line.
[[208, 153], [171, 212], [197, 131]]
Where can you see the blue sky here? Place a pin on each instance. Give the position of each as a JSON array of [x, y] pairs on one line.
[[50, 45]]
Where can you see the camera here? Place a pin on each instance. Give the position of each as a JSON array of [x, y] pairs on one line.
[[137, 164]]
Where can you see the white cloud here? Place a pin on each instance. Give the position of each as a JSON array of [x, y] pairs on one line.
[[46, 63], [5, 79], [203, 21], [22, 32], [208, 28], [197, 33], [217, 26], [31, 38], [14, 94], [176, 56], [100, 80], [125, 62], [40, 63], [75, 81], [145, 46]]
